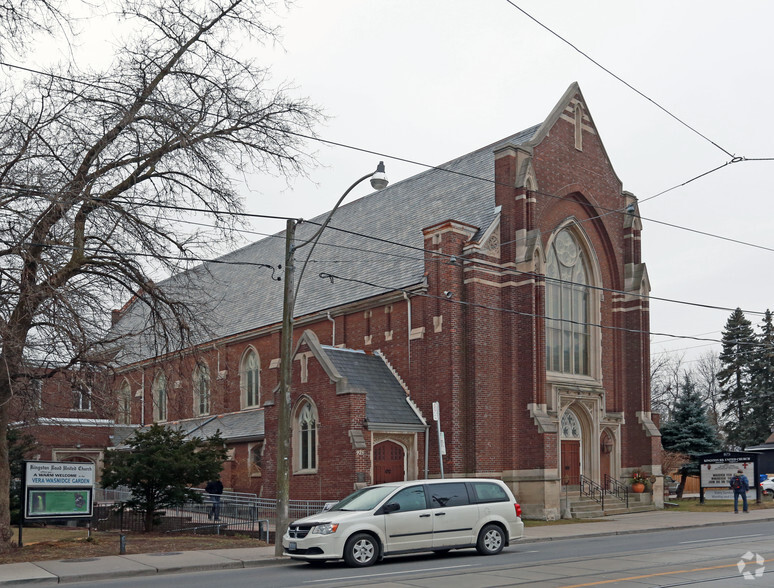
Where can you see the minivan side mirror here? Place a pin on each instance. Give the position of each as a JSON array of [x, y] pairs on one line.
[[328, 506], [391, 507]]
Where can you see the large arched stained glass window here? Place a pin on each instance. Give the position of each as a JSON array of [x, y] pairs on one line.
[[567, 306]]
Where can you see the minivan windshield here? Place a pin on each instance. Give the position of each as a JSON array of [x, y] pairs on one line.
[[365, 498]]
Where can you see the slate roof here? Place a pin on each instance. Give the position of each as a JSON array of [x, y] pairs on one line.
[[386, 400], [238, 298], [245, 425]]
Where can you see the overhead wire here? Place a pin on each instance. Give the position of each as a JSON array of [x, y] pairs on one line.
[[332, 277], [436, 253], [396, 158], [617, 77], [437, 168]]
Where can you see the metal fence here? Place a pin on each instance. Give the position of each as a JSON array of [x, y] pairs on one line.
[[234, 512], [120, 494]]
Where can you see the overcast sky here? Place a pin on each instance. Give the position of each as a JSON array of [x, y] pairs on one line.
[[429, 80]]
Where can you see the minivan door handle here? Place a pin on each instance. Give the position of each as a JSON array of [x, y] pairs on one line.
[[424, 516], [440, 514]]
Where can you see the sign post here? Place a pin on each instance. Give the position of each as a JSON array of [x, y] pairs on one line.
[[441, 439]]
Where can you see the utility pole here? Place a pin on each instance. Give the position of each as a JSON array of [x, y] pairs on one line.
[[283, 404], [290, 291]]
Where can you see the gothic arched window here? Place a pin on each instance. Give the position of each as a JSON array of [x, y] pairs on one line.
[[306, 437], [250, 379], [201, 386], [124, 416], [160, 397], [570, 425]]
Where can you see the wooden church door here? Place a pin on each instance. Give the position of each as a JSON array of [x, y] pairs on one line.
[[570, 463], [389, 458]]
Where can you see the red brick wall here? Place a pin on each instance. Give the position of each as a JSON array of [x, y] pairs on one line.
[[488, 361]]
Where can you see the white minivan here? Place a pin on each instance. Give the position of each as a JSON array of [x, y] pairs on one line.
[[409, 516]]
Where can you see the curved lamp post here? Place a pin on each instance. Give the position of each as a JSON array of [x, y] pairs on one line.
[[378, 181]]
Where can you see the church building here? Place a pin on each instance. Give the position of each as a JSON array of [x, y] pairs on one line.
[[502, 293]]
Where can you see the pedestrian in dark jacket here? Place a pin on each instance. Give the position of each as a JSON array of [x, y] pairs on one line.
[[214, 489], [740, 486]]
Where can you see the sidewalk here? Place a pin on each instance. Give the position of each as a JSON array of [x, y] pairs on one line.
[[88, 569]]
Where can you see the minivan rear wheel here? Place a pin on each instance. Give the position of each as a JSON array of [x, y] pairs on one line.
[[491, 540], [361, 550]]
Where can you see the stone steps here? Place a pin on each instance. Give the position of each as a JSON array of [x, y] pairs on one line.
[[583, 507]]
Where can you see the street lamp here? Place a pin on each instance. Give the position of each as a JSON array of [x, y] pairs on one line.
[[378, 181]]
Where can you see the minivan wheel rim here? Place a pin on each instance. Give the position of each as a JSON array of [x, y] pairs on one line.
[[492, 540], [363, 551]]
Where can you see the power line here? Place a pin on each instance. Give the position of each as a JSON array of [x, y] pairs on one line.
[[698, 335], [458, 259], [333, 277], [624, 82], [249, 215], [448, 256], [488, 307], [671, 351], [433, 167], [217, 260]]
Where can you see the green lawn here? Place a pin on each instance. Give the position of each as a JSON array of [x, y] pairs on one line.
[[693, 504], [32, 535]]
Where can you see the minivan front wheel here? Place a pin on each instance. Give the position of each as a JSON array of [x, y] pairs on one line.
[[361, 550], [491, 540]]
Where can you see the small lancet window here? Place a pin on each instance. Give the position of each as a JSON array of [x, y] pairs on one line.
[[579, 127]]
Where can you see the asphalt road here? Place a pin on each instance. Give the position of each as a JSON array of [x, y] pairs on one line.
[[706, 557]]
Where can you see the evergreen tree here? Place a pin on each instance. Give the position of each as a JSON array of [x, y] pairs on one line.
[[760, 400], [690, 431], [161, 467], [736, 358]]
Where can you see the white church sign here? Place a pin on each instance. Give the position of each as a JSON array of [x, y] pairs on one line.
[[58, 489]]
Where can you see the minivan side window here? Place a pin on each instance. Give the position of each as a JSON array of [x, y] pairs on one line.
[[452, 494], [410, 499], [488, 492]]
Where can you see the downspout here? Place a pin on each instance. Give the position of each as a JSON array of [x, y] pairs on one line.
[[142, 400], [333, 329], [408, 344]]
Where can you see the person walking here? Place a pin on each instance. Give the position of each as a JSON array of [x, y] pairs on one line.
[[740, 486], [215, 488]]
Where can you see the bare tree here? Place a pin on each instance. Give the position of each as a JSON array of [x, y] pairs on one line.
[[20, 18], [97, 170], [707, 368], [666, 377]]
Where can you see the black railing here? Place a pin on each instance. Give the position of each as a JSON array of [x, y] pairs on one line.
[[611, 487], [240, 513], [614, 487], [590, 488]]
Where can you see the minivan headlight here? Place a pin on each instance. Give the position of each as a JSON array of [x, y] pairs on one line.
[[324, 529]]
